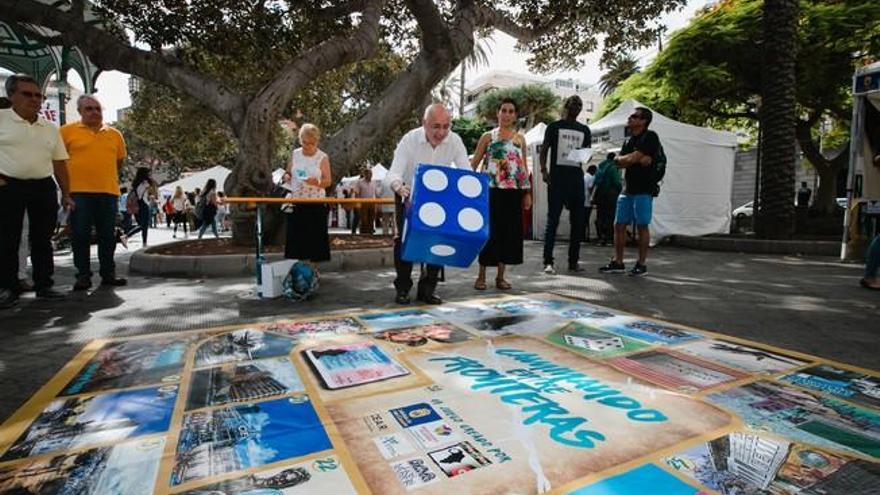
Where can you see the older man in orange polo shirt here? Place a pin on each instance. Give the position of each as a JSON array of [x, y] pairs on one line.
[[96, 152]]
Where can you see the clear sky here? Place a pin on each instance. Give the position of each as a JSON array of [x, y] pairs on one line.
[[113, 86]]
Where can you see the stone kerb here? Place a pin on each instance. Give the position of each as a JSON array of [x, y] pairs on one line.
[[237, 265], [758, 246]]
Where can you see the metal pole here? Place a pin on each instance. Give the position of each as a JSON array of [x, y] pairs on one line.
[[757, 197], [259, 260], [855, 152]]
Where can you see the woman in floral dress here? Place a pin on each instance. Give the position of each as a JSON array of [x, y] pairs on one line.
[[501, 153]]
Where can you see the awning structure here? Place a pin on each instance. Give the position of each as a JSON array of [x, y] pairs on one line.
[[22, 50]]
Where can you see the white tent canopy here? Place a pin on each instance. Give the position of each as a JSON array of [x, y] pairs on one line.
[[695, 194], [379, 172], [190, 183]]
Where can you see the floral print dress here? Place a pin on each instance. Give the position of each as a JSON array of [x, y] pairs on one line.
[[508, 181], [505, 164]]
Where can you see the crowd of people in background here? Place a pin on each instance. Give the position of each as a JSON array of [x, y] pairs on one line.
[[71, 176]]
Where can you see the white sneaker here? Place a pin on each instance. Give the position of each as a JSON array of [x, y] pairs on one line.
[[549, 270]]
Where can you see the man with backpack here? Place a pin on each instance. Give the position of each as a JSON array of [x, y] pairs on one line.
[[643, 160], [606, 188]]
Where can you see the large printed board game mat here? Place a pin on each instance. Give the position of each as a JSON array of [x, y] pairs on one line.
[[514, 395]]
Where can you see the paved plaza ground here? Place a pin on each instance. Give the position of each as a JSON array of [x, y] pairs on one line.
[[808, 304]]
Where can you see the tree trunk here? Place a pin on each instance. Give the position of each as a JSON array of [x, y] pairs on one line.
[[461, 93], [825, 201], [775, 218], [252, 174], [826, 194]]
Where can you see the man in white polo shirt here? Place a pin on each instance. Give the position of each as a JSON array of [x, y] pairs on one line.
[[434, 144], [31, 153]]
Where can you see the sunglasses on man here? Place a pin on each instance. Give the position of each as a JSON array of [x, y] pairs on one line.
[[30, 94]]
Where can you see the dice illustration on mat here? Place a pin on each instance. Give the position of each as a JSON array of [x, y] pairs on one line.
[[448, 223]]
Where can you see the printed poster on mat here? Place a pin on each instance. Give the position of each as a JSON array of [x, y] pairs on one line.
[[804, 416], [242, 382], [850, 385], [758, 464], [83, 421], [494, 405], [132, 363], [229, 439], [128, 468], [348, 365], [324, 475]]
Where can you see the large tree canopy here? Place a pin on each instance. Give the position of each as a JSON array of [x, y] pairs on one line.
[[710, 71], [247, 61]]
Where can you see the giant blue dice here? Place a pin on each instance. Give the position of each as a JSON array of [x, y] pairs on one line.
[[448, 223]]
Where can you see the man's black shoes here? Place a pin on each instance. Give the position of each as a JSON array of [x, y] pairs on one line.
[[113, 281], [51, 295], [613, 267], [430, 299], [8, 298], [402, 298], [82, 283]]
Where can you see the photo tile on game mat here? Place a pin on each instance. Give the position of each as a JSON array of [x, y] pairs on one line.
[[740, 356], [398, 319], [676, 371], [440, 333], [324, 475], [128, 468], [648, 331], [317, 328], [804, 416], [353, 364], [242, 382], [133, 363], [84, 421], [755, 463], [589, 340], [860, 388], [643, 480], [230, 439], [242, 345]]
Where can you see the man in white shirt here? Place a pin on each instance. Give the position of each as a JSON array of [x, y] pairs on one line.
[[31, 153], [434, 144]]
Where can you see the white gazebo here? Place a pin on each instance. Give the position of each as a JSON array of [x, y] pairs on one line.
[[191, 182]]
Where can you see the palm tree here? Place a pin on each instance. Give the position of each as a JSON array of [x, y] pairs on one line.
[[619, 69], [478, 58], [778, 118], [445, 91]]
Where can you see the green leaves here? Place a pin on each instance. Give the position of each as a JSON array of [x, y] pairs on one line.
[[710, 71], [536, 104]]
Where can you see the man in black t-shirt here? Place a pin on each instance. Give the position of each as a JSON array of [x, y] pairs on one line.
[[565, 181], [635, 204]]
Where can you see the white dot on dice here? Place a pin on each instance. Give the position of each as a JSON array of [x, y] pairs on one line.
[[469, 186], [435, 180], [432, 214], [470, 219], [442, 250]]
